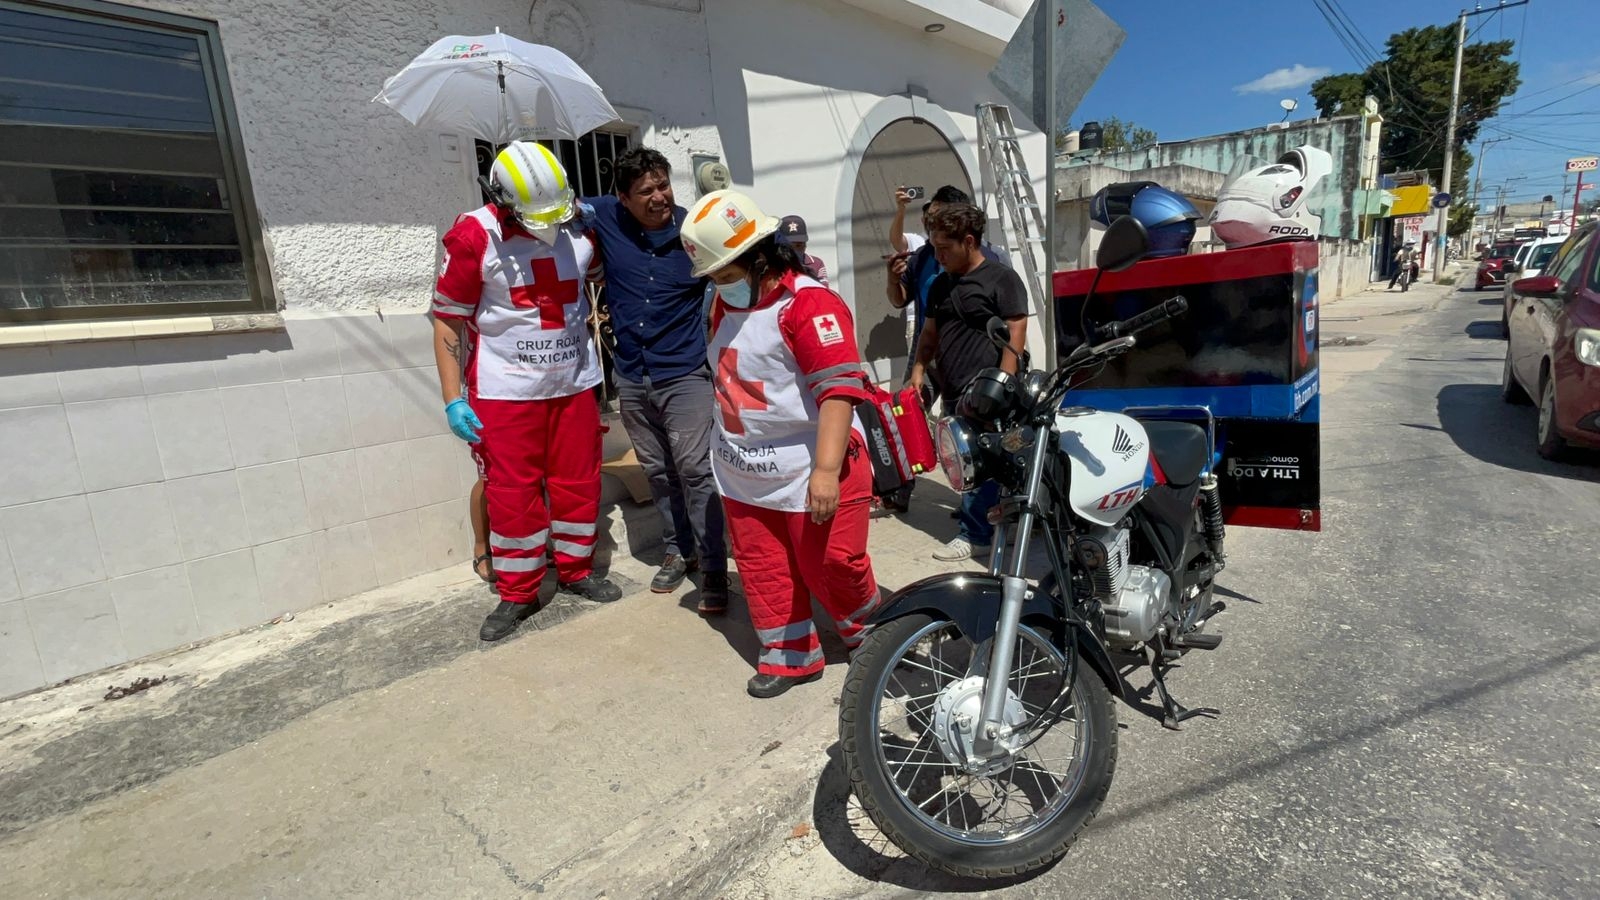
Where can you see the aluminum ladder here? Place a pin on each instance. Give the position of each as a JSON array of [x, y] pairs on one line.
[[1001, 155]]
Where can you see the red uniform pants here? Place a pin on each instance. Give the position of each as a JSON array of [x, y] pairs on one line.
[[530, 450], [784, 558]]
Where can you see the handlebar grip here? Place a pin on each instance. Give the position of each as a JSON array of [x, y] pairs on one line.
[[1154, 316]]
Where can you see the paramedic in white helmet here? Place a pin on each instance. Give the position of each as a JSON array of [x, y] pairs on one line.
[[789, 462], [510, 304]]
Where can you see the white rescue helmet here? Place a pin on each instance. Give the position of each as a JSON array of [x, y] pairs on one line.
[[721, 227], [529, 181], [1263, 203]]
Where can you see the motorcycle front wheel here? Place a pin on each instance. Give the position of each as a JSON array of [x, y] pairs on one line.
[[909, 707]]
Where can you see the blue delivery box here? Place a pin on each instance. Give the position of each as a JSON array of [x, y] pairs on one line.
[[1246, 351]]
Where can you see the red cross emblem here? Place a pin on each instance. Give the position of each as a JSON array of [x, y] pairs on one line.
[[734, 394], [548, 293]]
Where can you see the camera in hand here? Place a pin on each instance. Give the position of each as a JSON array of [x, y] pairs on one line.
[[915, 193]]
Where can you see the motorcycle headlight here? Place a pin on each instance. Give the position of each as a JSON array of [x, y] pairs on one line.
[[1587, 345], [955, 454]]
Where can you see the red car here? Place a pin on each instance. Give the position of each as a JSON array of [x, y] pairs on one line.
[[1554, 349], [1491, 267]]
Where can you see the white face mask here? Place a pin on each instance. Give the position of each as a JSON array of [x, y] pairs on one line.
[[546, 233], [737, 294]]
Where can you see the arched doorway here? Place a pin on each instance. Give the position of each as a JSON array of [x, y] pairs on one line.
[[908, 151]]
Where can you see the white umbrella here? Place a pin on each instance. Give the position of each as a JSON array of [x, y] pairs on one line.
[[498, 89]]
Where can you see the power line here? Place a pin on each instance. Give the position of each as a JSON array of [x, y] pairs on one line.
[[1560, 99], [1546, 90]]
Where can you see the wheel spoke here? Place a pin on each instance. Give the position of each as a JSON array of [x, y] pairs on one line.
[[976, 809], [906, 661]]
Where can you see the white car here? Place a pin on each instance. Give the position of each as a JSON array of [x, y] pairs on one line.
[[1530, 260]]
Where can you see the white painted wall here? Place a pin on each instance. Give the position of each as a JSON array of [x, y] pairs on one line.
[[353, 198], [802, 88], [173, 489]]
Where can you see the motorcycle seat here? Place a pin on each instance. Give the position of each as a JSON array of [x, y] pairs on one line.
[[1179, 447]]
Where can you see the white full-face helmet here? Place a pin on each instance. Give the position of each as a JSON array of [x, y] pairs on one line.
[[1261, 203], [528, 180]]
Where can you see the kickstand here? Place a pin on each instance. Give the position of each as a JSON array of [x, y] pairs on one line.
[[1175, 713]]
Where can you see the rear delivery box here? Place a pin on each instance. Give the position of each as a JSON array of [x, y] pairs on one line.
[[1246, 349]]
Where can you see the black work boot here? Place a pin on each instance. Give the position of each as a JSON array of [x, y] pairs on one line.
[[714, 594], [674, 569], [504, 620], [593, 587], [765, 687]]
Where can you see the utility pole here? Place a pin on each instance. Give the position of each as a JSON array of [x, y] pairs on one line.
[[1049, 19], [1477, 181], [1450, 131]]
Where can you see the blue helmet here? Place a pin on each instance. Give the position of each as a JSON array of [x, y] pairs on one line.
[[1168, 216]]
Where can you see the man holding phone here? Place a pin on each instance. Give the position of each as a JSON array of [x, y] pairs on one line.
[[912, 270]]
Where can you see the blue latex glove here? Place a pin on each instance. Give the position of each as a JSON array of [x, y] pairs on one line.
[[585, 215], [463, 421]]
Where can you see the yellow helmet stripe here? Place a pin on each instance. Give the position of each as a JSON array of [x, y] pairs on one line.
[[518, 179], [555, 167]]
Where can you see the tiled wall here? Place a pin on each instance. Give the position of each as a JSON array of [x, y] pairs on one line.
[[163, 490]]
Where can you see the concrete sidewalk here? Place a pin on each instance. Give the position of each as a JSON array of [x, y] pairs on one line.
[[373, 748]]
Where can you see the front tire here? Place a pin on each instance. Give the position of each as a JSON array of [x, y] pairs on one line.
[[1552, 445], [868, 739], [1510, 391]]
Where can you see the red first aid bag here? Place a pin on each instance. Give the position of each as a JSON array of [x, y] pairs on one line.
[[899, 442]]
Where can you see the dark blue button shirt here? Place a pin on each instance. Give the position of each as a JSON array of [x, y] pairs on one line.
[[657, 307]]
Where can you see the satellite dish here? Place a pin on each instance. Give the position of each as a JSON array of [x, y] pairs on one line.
[[1288, 107]]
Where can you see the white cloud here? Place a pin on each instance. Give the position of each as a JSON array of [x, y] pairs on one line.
[[1278, 80]]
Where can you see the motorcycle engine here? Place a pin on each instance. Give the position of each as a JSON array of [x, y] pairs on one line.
[[1133, 597]]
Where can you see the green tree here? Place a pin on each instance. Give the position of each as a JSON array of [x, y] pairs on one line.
[[1412, 84], [1118, 135]]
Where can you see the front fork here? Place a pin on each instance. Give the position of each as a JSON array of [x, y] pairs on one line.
[[1013, 591]]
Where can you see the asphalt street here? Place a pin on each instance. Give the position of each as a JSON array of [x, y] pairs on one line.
[[1409, 700], [1408, 709]]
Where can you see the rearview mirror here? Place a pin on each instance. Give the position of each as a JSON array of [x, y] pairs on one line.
[[1123, 244], [1537, 286], [1511, 266]]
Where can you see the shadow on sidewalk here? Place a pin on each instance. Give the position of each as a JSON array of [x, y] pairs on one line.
[[856, 843], [931, 506]]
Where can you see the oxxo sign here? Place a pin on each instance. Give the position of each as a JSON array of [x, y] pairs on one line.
[[1583, 164]]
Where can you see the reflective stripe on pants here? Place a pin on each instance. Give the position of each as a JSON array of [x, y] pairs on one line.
[[784, 558], [531, 449]]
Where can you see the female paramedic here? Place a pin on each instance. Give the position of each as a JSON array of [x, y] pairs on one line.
[[794, 477]]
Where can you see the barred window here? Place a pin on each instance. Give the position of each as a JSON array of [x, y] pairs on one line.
[[588, 160], [122, 189]]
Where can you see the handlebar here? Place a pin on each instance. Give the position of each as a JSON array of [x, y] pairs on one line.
[[1151, 317]]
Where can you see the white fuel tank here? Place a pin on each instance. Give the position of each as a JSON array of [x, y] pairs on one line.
[[1109, 454]]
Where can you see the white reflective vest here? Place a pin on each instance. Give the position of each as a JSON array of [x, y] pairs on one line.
[[764, 445], [531, 331]]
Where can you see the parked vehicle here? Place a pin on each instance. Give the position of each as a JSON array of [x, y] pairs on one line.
[[1530, 260], [985, 776], [1553, 355], [1491, 268]]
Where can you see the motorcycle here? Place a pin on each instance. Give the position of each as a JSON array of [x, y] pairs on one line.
[[988, 777]]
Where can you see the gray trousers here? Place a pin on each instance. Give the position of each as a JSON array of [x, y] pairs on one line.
[[670, 426]]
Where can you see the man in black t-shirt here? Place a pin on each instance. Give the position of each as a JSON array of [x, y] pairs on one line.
[[961, 301]]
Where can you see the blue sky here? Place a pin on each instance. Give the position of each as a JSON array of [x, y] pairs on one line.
[[1187, 69]]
